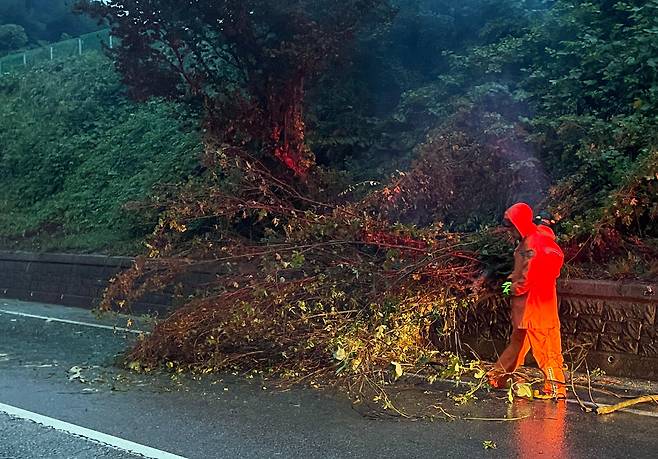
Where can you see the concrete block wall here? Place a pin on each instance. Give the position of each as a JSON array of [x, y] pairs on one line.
[[66, 279]]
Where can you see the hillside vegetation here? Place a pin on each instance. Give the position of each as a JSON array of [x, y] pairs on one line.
[[74, 151]]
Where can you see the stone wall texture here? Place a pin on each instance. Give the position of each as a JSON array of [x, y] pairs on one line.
[[612, 325], [606, 325]]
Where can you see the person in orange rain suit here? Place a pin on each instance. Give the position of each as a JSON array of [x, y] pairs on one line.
[[536, 325]]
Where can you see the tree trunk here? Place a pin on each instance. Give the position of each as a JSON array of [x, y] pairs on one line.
[[285, 107]]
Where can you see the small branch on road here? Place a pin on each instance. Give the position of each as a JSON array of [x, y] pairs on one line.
[[444, 412], [497, 419], [626, 404]]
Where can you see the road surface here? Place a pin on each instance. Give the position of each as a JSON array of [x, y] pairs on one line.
[[62, 396]]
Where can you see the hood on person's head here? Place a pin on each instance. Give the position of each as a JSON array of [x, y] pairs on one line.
[[521, 216]]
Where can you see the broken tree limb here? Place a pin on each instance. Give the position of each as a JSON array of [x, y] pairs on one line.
[[626, 404]]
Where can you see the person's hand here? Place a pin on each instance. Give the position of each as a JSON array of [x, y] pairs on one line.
[[507, 288]]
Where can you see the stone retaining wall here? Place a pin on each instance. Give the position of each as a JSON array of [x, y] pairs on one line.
[[613, 323]]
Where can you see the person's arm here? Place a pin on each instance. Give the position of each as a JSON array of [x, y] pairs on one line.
[[525, 273]]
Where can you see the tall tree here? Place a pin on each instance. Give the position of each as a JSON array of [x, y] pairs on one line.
[[249, 61], [12, 37]]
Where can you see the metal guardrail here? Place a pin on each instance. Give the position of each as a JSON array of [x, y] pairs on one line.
[[65, 48]]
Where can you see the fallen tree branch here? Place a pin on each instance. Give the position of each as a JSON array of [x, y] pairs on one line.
[[626, 404]]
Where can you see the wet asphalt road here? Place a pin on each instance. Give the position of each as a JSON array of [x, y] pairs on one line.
[[20, 438], [66, 372]]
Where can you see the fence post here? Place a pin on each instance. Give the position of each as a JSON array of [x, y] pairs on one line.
[[111, 42], [51, 53], [25, 59], [80, 46]]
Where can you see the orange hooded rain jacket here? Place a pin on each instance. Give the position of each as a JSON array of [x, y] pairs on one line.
[[537, 264]]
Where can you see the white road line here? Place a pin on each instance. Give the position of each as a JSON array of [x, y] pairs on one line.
[[73, 322], [98, 437]]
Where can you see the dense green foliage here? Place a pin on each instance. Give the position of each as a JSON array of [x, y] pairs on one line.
[[582, 79], [391, 99], [12, 37], [75, 150], [572, 84]]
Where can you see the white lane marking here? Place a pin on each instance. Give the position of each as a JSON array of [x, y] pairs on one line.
[[98, 437], [73, 322], [650, 414]]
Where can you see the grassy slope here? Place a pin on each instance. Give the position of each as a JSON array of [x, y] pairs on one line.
[[74, 150]]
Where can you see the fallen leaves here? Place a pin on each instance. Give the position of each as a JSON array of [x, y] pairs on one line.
[[489, 444], [397, 369], [75, 374], [340, 354], [523, 390]]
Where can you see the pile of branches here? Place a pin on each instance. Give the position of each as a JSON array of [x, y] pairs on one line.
[[304, 288], [314, 284]]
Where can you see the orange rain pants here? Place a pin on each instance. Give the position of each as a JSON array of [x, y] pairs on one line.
[[546, 349]]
